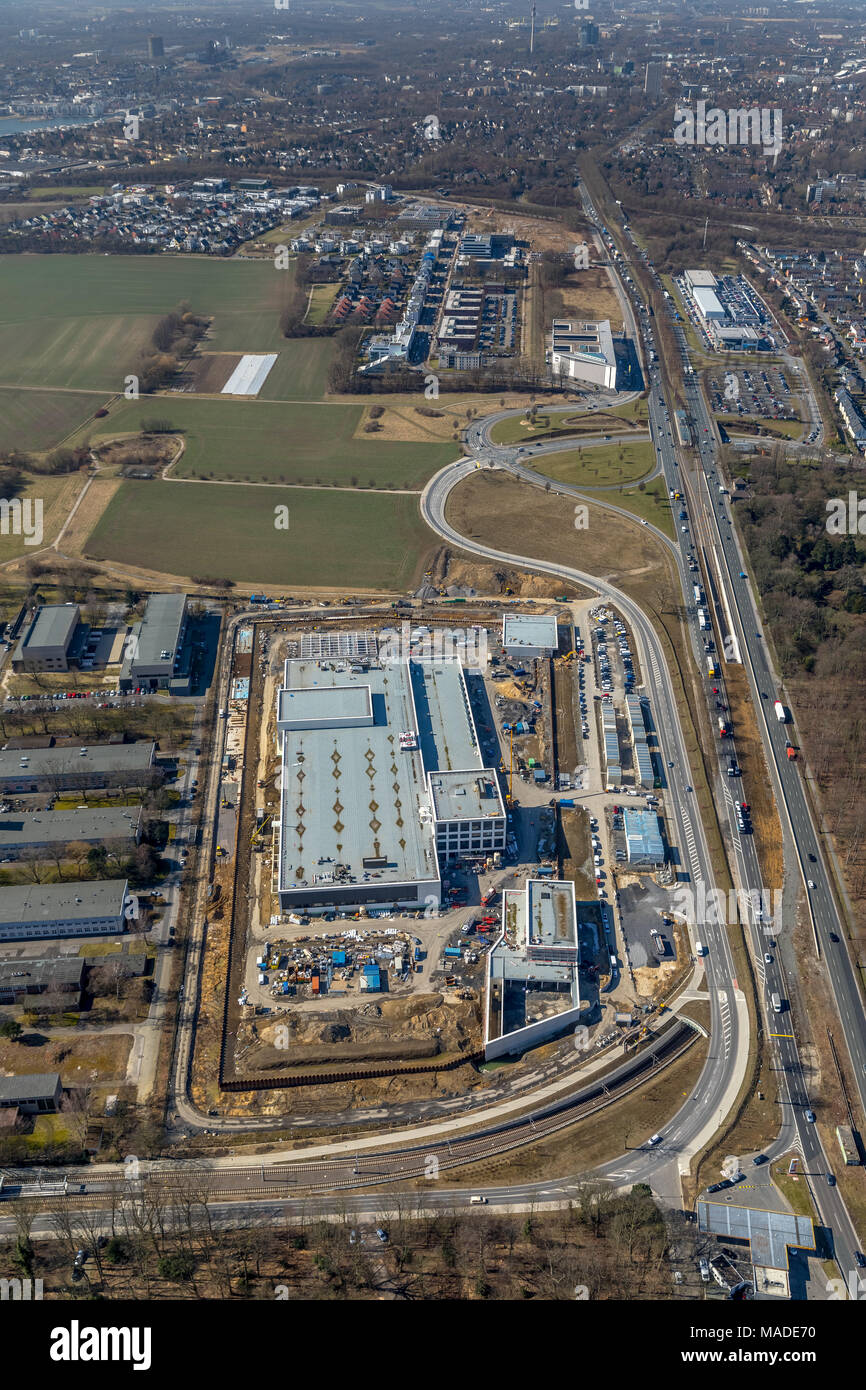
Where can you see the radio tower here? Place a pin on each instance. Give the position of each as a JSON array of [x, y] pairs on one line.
[[532, 31]]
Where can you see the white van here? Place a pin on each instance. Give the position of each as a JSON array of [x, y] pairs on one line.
[[699, 948], [477, 1201]]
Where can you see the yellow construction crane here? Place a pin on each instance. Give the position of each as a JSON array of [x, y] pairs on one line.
[[259, 829]]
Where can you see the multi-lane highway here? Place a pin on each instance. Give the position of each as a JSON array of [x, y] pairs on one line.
[[710, 515]]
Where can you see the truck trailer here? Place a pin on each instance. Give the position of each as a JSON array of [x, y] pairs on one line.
[[781, 712]]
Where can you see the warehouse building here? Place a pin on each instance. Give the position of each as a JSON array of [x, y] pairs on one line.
[[643, 839], [761, 1239], [583, 351], [42, 910], [529, 636], [533, 986], [159, 655], [118, 828], [62, 976], [381, 773], [70, 769], [37, 1094], [644, 775], [700, 280], [708, 305], [52, 641]]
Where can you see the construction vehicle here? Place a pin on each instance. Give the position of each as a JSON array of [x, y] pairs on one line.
[[259, 830]]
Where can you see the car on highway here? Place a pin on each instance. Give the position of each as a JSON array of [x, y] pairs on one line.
[[831, 1180], [810, 1116], [768, 958], [811, 883], [655, 1139], [860, 1259], [834, 938]]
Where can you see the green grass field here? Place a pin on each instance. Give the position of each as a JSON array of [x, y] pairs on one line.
[[651, 504], [263, 441], [321, 303], [552, 424], [338, 539], [37, 420], [598, 465], [80, 322]]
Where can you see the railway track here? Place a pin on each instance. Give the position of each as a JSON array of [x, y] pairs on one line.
[[346, 1173]]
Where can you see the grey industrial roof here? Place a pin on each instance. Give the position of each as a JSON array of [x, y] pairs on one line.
[[53, 625], [643, 836], [443, 721], [60, 827], [352, 793], [99, 757], [551, 914], [19, 974], [52, 902], [464, 795], [31, 1087], [529, 630], [770, 1233], [313, 706], [160, 628]]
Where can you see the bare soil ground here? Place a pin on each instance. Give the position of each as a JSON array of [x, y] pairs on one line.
[[79, 1060], [589, 294], [209, 371], [380, 1029], [455, 568]]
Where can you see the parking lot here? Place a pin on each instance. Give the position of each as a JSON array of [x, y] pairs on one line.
[[762, 391]]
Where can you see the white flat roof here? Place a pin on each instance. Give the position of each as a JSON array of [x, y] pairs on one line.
[[530, 630], [249, 375]]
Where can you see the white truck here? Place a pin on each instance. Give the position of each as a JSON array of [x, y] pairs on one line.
[[781, 712]]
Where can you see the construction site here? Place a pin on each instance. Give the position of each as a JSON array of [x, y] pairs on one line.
[[345, 943]]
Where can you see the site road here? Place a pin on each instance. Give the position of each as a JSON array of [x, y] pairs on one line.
[[716, 1089]]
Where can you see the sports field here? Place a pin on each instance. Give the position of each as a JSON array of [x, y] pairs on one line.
[[271, 442], [339, 539]]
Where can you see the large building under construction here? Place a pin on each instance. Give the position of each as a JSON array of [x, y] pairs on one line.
[[381, 778]]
